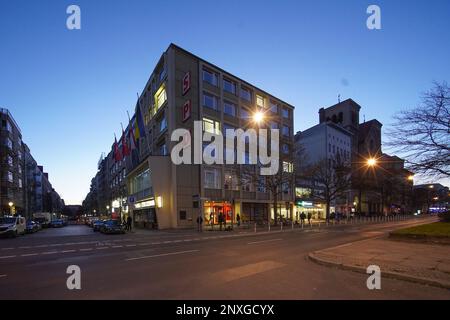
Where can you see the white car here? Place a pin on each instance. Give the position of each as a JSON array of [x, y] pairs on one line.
[[12, 226]]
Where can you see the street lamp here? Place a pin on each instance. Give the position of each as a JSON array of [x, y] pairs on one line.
[[258, 117], [371, 162], [411, 178]]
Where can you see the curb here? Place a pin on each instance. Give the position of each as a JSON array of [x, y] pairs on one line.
[[388, 274]]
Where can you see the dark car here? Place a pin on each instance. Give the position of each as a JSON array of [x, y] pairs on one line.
[[31, 227], [97, 225], [58, 223], [112, 226]]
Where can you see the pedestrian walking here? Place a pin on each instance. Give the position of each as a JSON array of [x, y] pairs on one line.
[[309, 217], [238, 219], [199, 223], [303, 217], [220, 220], [129, 220]]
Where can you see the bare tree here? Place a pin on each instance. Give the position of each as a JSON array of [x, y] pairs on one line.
[[331, 179], [422, 135]]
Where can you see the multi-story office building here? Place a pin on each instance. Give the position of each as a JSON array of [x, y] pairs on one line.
[[185, 88], [12, 200], [327, 142], [25, 188]]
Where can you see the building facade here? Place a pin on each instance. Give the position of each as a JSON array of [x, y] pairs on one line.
[[184, 89]]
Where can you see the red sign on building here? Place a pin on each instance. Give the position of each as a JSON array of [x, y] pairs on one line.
[[187, 110], [186, 82]]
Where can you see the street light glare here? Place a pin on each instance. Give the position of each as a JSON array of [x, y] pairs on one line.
[[371, 162], [258, 116]]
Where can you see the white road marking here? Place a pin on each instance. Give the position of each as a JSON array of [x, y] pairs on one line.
[[29, 254], [7, 248], [27, 247], [102, 248], [117, 246], [49, 252], [162, 255], [7, 257], [131, 245], [264, 241], [68, 251], [2, 275], [86, 249]]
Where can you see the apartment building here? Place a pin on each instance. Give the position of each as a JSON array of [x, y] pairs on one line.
[[182, 89]]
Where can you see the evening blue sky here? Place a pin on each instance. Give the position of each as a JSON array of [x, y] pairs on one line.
[[69, 90]]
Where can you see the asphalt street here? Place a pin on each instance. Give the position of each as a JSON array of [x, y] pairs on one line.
[[190, 265]]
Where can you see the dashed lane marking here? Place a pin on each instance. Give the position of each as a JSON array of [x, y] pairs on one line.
[[29, 254], [68, 251], [2, 275], [86, 249], [264, 241], [162, 255], [7, 257], [49, 252]]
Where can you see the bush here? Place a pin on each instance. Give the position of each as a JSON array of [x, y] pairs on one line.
[[444, 216]]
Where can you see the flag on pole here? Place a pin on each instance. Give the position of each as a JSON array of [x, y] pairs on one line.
[[131, 136], [125, 148], [140, 127], [117, 154]]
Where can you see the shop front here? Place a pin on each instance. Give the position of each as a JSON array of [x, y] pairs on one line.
[[214, 209], [144, 214], [316, 209]]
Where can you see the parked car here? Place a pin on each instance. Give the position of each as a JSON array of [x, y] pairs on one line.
[[57, 223], [112, 226], [12, 226], [97, 225], [32, 227]]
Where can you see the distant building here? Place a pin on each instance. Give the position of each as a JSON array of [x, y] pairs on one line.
[[25, 188], [325, 141]]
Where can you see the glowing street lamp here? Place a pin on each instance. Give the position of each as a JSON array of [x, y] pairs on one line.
[[371, 162], [258, 117], [10, 204], [411, 178]]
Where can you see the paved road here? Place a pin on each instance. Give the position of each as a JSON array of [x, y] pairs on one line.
[[186, 265]]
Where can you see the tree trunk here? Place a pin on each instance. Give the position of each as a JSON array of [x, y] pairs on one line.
[[327, 210], [275, 210]]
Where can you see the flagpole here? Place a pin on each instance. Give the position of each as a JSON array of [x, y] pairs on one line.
[[139, 105]]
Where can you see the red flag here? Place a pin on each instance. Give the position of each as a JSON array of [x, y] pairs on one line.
[[125, 148], [117, 154]]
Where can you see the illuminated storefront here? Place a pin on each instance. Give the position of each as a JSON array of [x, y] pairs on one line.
[[213, 209]]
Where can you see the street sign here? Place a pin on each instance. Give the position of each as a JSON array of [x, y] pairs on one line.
[[131, 199]]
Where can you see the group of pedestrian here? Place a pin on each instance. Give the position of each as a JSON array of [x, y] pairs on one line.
[[127, 223], [303, 216]]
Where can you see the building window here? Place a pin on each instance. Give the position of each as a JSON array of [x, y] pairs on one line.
[[229, 86], [288, 167], [260, 101], [231, 180], [162, 124], [210, 77], [209, 101], [183, 214], [7, 125], [10, 176], [285, 113], [229, 108], [245, 114], [273, 125], [246, 94], [285, 148], [286, 131], [261, 184], [273, 107], [8, 143], [211, 126], [160, 97], [163, 150], [10, 160], [212, 178]]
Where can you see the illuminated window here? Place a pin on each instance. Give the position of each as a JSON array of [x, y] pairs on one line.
[[260, 101], [288, 167], [160, 97], [211, 126]]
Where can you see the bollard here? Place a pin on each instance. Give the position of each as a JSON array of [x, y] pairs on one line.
[[292, 224], [255, 226], [281, 228], [269, 226], [302, 224]]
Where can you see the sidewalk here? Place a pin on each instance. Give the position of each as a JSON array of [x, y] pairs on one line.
[[422, 263]]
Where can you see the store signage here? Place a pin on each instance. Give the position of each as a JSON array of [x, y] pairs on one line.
[[187, 110], [186, 83], [145, 204], [305, 203]]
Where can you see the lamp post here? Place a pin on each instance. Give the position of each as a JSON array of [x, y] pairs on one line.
[[11, 204]]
